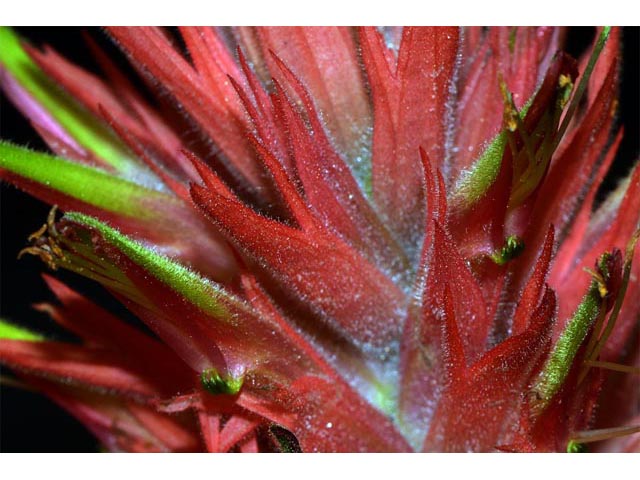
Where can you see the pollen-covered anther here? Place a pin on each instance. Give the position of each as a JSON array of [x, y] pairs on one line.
[[564, 81], [511, 116], [566, 86], [44, 243]]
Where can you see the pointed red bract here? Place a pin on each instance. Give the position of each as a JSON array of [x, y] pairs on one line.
[[95, 368], [325, 280], [534, 288], [411, 102], [326, 57], [480, 406], [221, 119]]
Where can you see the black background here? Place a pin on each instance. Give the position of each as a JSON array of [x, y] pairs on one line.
[[31, 423]]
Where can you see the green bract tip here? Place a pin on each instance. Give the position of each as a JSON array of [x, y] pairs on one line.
[[513, 247], [575, 447], [90, 185], [9, 331], [214, 383], [198, 290], [86, 129]]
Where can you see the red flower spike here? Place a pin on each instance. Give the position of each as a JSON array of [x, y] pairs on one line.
[[101, 329], [166, 140], [340, 238], [452, 347], [574, 242], [264, 115], [447, 266], [332, 412], [212, 60], [290, 195], [87, 89], [417, 369], [577, 163], [210, 427], [421, 347], [142, 150], [261, 302], [235, 430]]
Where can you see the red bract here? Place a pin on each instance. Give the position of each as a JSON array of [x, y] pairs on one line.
[[342, 240]]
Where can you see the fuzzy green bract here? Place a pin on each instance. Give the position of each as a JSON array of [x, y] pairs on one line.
[[473, 185], [90, 185], [560, 361], [84, 128], [199, 291]]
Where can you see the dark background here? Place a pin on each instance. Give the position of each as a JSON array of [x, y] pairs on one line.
[[30, 422]]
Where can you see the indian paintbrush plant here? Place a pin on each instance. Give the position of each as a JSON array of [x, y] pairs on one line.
[[339, 239]]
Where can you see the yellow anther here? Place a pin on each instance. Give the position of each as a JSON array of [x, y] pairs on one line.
[[602, 289], [565, 80], [614, 108], [600, 281]]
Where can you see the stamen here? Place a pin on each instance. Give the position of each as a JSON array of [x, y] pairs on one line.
[[616, 367], [513, 122], [626, 273], [589, 436], [45, 243], [582, 86], [600, 281], [38, 233], [531, 156], [564, 80]]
